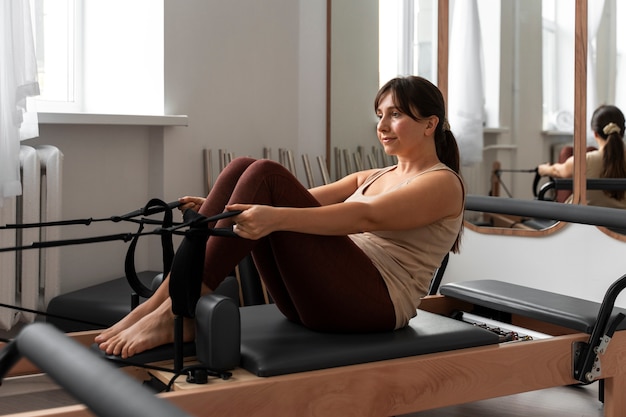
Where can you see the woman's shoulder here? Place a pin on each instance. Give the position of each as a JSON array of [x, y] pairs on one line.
[[445, 170], [369, 175], [594, 153]]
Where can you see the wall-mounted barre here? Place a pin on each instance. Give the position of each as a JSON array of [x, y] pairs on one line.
[[573, 213]]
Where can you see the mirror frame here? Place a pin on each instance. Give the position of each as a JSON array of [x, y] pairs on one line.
[[580, 101]]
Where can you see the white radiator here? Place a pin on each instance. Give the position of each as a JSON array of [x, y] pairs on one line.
[[30, 278]]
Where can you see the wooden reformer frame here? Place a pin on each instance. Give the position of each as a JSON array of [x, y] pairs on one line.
[[392, 387]]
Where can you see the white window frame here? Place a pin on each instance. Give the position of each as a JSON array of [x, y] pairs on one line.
[[117, 66], [73, 11], [404, 45]]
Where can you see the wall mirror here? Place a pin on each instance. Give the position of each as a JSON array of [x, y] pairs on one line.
[[512, 144]]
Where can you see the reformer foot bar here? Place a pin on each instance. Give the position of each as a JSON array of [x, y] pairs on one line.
[[437, 361]]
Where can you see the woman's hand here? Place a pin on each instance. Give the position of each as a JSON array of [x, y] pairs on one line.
[[193, 203], [255, 221], [544, 169]]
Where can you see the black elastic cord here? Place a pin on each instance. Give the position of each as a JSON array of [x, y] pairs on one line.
[[145, 211], [56, 316], [67, 242]]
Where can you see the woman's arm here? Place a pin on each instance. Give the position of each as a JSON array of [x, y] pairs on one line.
[[563, 170], [425, 200], [341, 189]]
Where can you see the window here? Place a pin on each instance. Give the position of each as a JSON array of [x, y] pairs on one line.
[[620, 67], [557, 67], [408, 38], [408, 44], [100, 56], [56, 24]]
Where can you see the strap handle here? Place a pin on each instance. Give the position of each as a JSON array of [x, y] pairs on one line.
[[167, 246]]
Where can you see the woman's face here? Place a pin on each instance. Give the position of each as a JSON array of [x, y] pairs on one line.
[[397, 131]]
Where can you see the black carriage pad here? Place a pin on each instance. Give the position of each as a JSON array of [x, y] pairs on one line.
[[271, 345], [102, 304], [570, 312]]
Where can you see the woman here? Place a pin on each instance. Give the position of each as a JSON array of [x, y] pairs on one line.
[[608, 161], [352, 256]]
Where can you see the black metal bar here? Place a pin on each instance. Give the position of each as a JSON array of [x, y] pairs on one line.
[[103, 388], [587, 356], [573, 213], [606, 184]]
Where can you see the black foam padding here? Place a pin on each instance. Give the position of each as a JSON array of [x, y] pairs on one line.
[[272, 345], [218, 334], [107, 303], [218, 339], [573, 313], [102, 304], [157, 354]]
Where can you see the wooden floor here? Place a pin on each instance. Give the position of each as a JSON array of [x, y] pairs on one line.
[[32, 393]]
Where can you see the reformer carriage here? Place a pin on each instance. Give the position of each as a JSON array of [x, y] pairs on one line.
[[284, 369]]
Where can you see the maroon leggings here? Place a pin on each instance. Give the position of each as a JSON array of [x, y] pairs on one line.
[[326, 283]]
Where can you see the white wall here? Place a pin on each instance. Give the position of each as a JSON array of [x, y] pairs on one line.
[[248, 74], [251, 74], [354, 75], [578, 260]]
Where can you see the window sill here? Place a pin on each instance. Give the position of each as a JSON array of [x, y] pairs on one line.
[[111, 119], [557, 133], [494, 130]]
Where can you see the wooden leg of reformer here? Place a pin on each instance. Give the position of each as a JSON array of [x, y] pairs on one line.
[[614, 398]]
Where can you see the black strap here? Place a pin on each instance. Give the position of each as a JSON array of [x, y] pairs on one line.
[[536, 181], [167, 246], [188, 266]]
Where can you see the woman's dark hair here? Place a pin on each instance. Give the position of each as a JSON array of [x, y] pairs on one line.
[[419, 98], [613, 161]]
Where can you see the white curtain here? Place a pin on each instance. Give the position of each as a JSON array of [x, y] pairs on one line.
[[466, 96], [18, 80], [596, 8]]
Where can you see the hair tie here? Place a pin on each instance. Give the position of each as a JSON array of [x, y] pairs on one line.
[[445, 126], [611, 128]]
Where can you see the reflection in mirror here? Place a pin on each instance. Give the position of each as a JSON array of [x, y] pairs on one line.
[[606, 85], [603, 85], [523, 133]]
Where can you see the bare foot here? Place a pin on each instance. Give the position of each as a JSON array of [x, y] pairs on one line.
[[130, 319], [151, 304], [150, 331]]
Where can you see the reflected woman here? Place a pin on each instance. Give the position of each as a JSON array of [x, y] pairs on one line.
[[608, 161]]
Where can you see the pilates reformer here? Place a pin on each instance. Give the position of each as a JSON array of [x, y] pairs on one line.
[[497, 183], [284, 369]]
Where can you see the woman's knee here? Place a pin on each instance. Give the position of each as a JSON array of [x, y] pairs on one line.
[[239, 164], [266, 165]]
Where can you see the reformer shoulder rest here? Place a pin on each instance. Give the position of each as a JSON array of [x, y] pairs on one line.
[[558, 309]]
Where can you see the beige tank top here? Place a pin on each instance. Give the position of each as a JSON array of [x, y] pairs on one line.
[[407, 259], [598, 197]]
